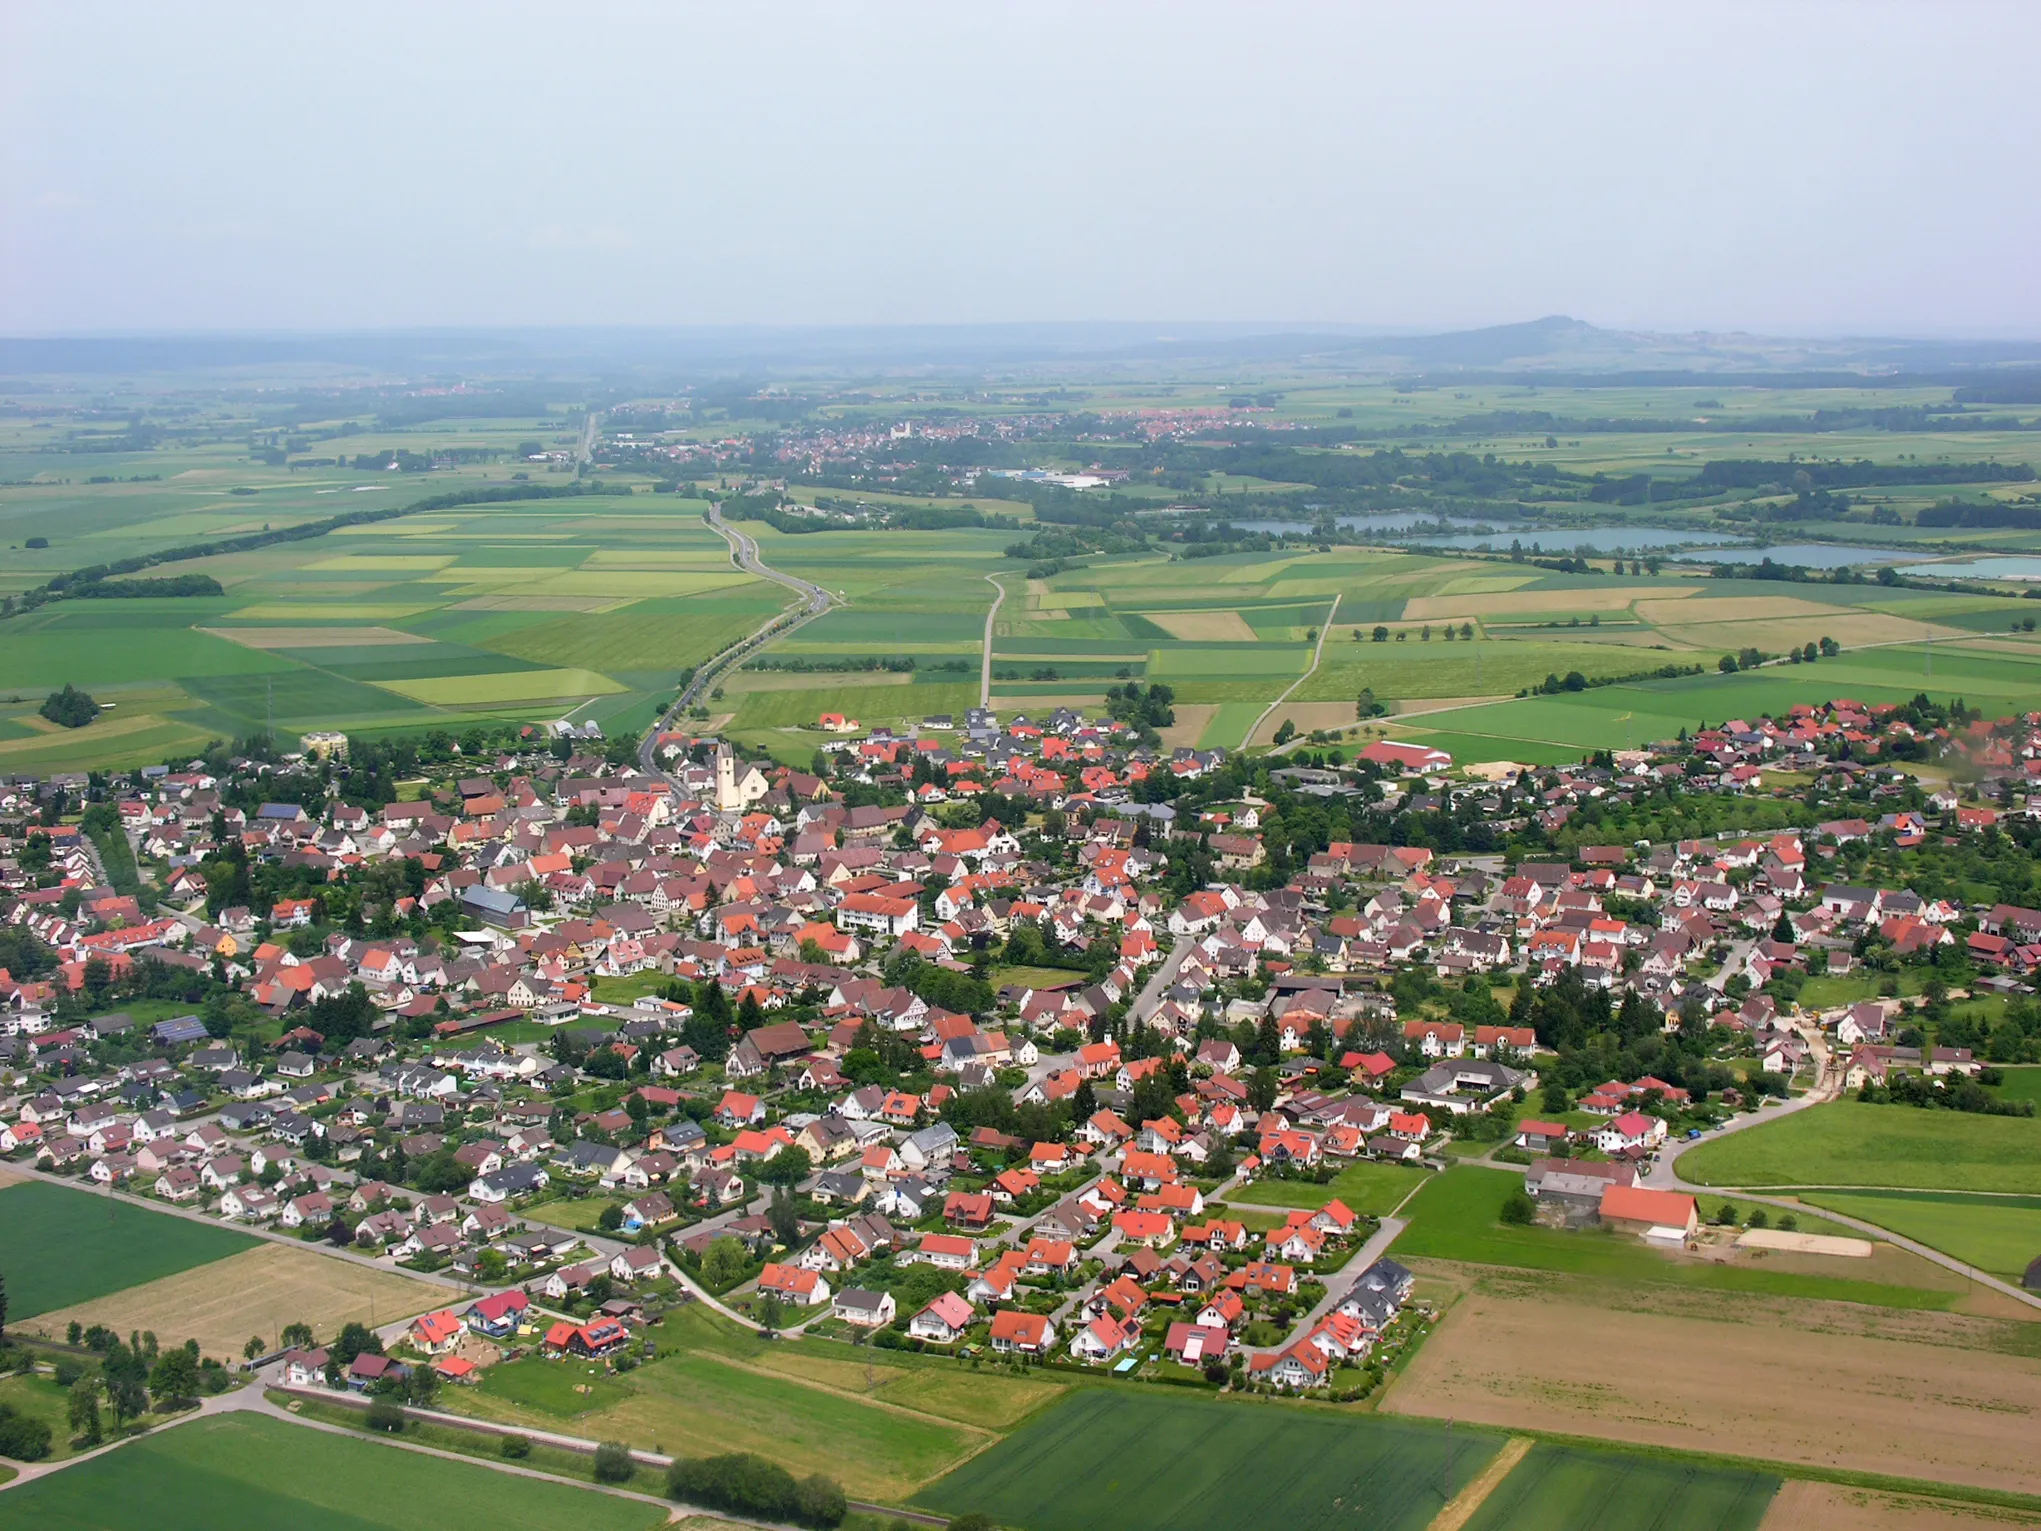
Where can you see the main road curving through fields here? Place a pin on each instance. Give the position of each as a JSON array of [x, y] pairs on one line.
[[745, 555]]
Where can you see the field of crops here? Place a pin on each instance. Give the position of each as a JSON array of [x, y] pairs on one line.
[[59, 1246], [246, 1470], [1569, 1488], [1146, 1462], [592, 605]]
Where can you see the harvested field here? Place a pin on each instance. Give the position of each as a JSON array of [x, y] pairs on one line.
[[1732, 608], [504, 688], [1813, 1382], [1774, 635], [1307, 716], [1189, 727], [255, 1292], [1834, 1507], [1204, 626], [313, 637], [1499, 603]]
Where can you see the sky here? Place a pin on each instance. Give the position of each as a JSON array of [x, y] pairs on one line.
[[1794, 168]]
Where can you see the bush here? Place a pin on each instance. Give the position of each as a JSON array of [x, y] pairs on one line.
[[613, 1463], [515, 1447], [385, 1416], [1517, 1207], [750, 1485], [22, 1437]]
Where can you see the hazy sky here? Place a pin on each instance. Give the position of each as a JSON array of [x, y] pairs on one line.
[[1783, 167]]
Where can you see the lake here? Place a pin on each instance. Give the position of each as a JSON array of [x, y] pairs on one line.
[[2009, 566]]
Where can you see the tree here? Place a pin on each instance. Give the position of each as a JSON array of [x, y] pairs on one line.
[[1517, 1207], [724, 1263], [85, 1426], [610, 1218], [69, 708], [785, 1220], [297, 1336], [174, 1379], [1261, 1088], [256, 1346], [1380, 635], [1084, 1101], [613, 1463], [789, 1167], [771, 1311]]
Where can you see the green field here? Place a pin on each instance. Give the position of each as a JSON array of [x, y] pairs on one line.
[[1853, 1144], [1144, 1462], [1572, 1488], [1370, 1189], [1999, 1234], [1456, 1216], [59, 1246], [248, 1471], [516, 610], [715, 1389]]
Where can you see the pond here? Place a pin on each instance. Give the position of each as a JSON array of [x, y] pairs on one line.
[[2004, 567]]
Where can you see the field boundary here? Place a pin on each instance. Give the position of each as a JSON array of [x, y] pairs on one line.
[[1317, 653], [1470, 1499]]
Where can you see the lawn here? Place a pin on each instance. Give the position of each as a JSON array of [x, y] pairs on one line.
[[41, 1398], [1110, 1456], [2021, 1084], [1853, 1144], [1456, 1217], [59, 1246], [1370, 1189], [578, 1214], [553, 1387], [2000, 1234], [1571, 1488], [242, 1470]]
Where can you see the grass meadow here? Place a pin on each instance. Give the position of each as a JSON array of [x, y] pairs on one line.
[[1849, 1143], [59, 1246], [1999, 1234], [1457, 1216], [244, 1470], [1372, 1190]]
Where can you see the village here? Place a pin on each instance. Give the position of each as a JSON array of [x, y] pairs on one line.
[[980, 1041]]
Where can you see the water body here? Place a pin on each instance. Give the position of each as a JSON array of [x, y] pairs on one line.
[[1592, 539], [1823, 555], [2005, 567]]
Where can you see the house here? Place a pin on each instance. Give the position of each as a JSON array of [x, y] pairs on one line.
[[1102, 1339], [640, 1263], [497, 1316], [1194, 1344], [1303, 1365], [790, 1283], [1660, 1216], [947, 1251], [435, 1334], [1028, 1334], [304, 1368], [943, 1321], [867, 1310]]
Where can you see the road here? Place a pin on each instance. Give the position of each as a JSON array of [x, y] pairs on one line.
[[985, 667], [1150, 997], [1317, 652], [744, 553], [584, 454]]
